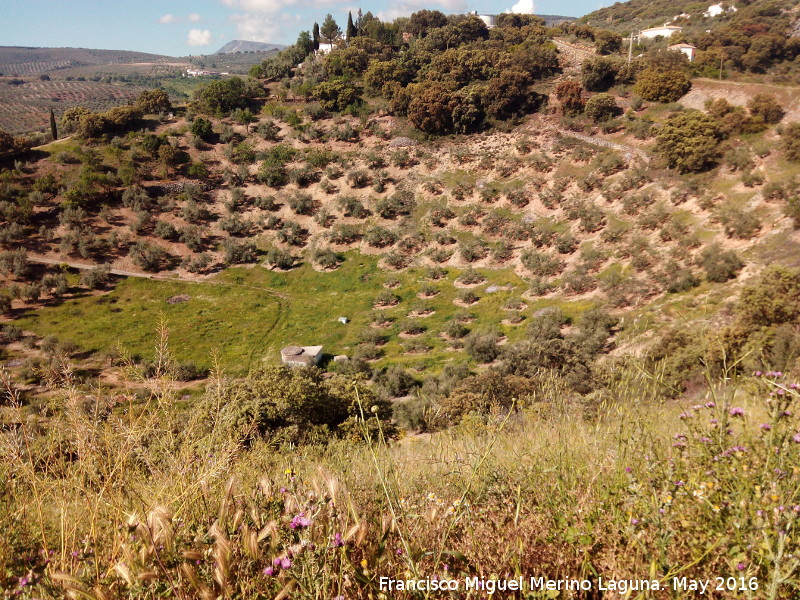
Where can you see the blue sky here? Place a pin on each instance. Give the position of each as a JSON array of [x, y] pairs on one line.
[[181, 27]]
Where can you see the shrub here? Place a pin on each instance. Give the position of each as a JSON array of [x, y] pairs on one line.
[[400, 203], [359, 178], [380, 237], [345, 233], [336, 95], [659, 85], [739, 223], [772, 300], [471, 277], [96, 278], [690, 140], [327, 258], [148, 256], [302, 203], [720, 265], [468, 297], [766, 108], [473, 250], [602, 107], [234, 252], [202, 129], [482, 347], [790, 140], [542, 264], [386, 298], [430, 109], [599, 73]]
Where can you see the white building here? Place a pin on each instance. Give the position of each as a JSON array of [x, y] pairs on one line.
[[717, 9], [687, 49], [325, 48], [665, 30], [488, 20]]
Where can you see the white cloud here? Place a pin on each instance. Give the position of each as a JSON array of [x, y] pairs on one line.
[[405, 8], [194, 17], [167, 19], [526, 7], [266, 28], [259, 6], [199, 37]]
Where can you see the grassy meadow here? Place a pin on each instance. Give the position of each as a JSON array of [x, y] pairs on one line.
[[157, 503], [244, 316]]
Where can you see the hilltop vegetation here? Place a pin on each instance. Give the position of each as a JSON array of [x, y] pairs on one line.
[[759, 36]]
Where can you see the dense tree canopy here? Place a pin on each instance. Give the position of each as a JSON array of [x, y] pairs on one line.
[[690, 140]]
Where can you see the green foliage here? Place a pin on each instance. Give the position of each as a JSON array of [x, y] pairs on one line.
[[773, 299], [337, 95], [599, 73], [293, 404], [602, 107], [690, 140], [148, 255], [202, 128], [790, 140], [659, 85], [766, 108], [607, 42], [330, 31], [223, 95], [720, 265], [153, 102]]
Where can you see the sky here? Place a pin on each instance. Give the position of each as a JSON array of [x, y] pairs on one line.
[[184, 27]]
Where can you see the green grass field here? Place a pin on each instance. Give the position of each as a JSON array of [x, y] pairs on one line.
[[245, 315]]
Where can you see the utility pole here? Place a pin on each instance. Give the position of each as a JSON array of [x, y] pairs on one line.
[[630, 48]]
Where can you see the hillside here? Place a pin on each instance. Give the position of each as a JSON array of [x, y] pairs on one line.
[[557, 295], [245, 46], [18, 61]]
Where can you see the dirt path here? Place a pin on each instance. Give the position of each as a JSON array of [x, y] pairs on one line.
[[573, 54], [629, 151], [174, 277]]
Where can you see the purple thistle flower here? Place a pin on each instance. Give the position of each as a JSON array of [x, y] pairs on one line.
[[269, 571], [684, 415], [705, 440], [628, 469], [765, 426], [758, 373], [796, 438], [276, 562], [23, 581], [300, 521], [338, 542], [286, 563], [740, 566], [634, 521], [711, 404], [736, 411]]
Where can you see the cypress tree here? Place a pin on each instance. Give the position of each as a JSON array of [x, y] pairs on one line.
[[351, 28], [53, 128], [316, 36]]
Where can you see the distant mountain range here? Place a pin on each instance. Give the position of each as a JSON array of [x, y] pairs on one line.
[[245, 46]]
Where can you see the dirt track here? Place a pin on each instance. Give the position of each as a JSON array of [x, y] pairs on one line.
[[739, 93]]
